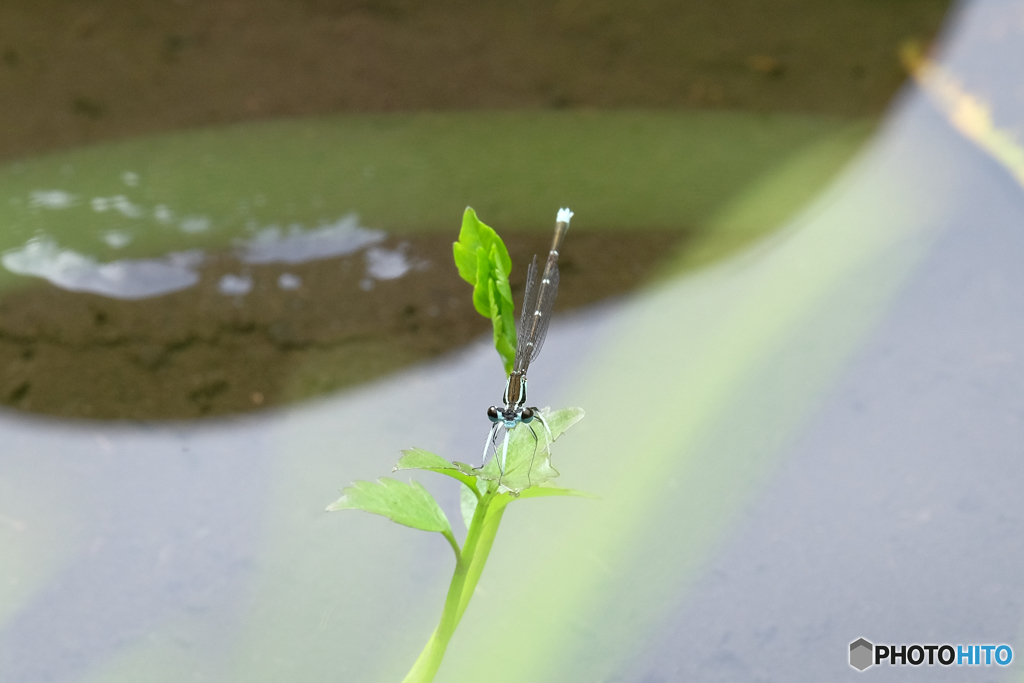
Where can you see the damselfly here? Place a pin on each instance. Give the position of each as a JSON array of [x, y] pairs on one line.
[[538, 301]]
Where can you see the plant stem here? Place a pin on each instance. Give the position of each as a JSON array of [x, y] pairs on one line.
[[468, 568]]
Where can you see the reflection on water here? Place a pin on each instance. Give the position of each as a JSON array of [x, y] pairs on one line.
[[297, 245], [235, 285], [51, 199], [143, 278], [126, 279]]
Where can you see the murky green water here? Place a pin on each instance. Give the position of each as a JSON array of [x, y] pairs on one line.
[[231, 269]]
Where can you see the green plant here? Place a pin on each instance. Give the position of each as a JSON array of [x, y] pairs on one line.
[[484, 262]]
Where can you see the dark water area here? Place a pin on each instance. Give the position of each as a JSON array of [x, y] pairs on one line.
[[85, 72], [255, 335]]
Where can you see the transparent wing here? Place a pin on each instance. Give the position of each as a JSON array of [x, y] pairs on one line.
[[533, 326], [545, 306], [523, 355]]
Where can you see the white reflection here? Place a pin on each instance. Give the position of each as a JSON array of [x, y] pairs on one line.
[[130, 179], [289, 281], [235, 285], [162, 214], [344, 236], [119, 203], [386, 264], [124, 279], [117, 239], [194, 224], [51, 199]]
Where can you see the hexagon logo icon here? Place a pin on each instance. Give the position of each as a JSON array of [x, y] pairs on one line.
[[861, 652]]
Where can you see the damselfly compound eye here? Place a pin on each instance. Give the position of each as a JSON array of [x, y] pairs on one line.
[[527, 414], [492, 413]]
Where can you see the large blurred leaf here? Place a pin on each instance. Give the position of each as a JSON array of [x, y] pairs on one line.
[[407, 504]]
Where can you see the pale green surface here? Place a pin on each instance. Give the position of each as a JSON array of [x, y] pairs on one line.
[[181, 649], [338, 596], [667, 171], [773, 198], [350, 597], [39, 534]]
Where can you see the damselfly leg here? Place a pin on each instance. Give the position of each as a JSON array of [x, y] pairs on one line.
[[501, 453], [492, 434]]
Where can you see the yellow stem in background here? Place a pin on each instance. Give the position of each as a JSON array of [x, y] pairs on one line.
[[966, 112]]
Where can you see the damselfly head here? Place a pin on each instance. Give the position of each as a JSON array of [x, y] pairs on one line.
[[509, 415]]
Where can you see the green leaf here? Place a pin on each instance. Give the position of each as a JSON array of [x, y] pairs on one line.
[[483, 261], [407, 504], [504, 322], [504, 327], [501, 271], [484, 283], [527, 461], [419, 459], [479, 235], [560, 420], [469, 233], [465, 261]]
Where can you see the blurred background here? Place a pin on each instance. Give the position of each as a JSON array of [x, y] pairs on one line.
[[788, 305]]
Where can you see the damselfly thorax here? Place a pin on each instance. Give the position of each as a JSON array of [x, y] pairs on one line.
[[514, 410]]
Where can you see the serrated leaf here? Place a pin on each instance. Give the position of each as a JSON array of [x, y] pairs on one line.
[[527, 461], [480, 235], [501, 271], [503, 327], [560, 420], [503, 316], [419, 459], [484, 262], [464, 468], [469, 233], [465, 261], [483, 284], [407, 504]]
